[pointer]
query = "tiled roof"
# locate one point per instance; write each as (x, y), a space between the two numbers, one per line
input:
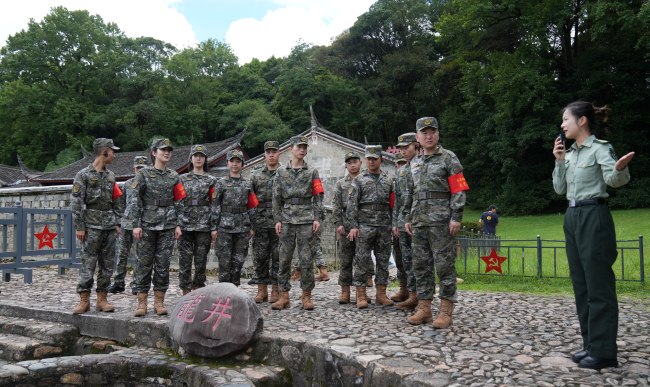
(122, 165)
(10, 176)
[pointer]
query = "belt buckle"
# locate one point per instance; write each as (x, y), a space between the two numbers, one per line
(572, 203)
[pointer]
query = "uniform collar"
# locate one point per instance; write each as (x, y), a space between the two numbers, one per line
(304, 166)
(588, 142)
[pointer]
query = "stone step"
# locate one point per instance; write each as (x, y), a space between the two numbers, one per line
(19, 348)
(27, 339)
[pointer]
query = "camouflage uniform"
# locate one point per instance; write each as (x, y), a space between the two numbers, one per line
(340, 203)
(152, 208)
(96, 210)
(197, 218)
(370, 212)
(297, 207)
(403, 261)
(265, 241)
(125, 240)
(233, 215)
(429, 207)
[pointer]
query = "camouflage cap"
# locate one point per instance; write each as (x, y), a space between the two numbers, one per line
(299, 140)
(373, 151)
(140, 161)
(271, 145)
(352, 155)
(406, 139)
(426, 122)
(235, 154)
(400, 159)
(161, 143)
(104, 143)
(198, 148)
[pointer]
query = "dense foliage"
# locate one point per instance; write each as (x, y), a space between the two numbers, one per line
(495, 72)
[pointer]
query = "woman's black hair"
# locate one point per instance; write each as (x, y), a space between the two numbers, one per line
(597, 117)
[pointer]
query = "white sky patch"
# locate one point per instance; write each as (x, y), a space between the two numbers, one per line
(155, 18)
(316, 22)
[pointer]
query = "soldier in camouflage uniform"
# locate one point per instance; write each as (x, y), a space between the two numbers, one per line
(265, 241)
(409, 148)
(433, 212)
(234, 204)
(297, 212)
(402, 294)
(197, 219)
(125, 240)
(370, 213)
(96, 216)
(340, 203)
(152, 212)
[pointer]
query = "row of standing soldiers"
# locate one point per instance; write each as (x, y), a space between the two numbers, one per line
(281, 207)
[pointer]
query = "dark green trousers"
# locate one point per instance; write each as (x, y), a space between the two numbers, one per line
(591, 252)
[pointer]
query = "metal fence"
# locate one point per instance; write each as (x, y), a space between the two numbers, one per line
(34, 237)
(536, 257)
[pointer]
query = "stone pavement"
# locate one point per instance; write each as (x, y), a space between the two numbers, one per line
(496, 339)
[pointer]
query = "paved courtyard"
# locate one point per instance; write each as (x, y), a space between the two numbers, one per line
(496, 339)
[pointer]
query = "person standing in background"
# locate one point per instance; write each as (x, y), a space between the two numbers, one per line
(125, 239)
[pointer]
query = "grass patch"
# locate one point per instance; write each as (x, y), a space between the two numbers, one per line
(518, 243)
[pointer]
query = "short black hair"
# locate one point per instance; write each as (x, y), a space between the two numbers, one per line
(492, 207)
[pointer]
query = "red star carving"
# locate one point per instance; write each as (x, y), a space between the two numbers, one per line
(45, 238)
(493, 262)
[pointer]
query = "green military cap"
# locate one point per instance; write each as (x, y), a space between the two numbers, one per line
(198, 148)
(104, 143)
(140, 161)
(399, 159)
(406, 139)
(235, 154)
(161, 143)
(352, 155)
(426, 122)
(373, 151)
(271, 145)
(299, 140)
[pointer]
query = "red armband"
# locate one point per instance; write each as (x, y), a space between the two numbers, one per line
(252, 201)
(391, 200)
(316, 187)
(179, 192)
(212, 194)
(117, 192)
(457, 183)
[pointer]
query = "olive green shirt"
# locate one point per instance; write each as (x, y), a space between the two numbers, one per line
(586, 171)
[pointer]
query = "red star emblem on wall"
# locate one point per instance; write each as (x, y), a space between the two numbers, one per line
(493, 262)
(45, 238)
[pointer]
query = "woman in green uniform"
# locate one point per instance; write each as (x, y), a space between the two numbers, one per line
(583, 173)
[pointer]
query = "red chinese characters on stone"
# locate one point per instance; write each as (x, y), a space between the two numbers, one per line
(220, 309)
(187, 312)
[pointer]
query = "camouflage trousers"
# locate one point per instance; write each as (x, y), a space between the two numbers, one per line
(346, 256)
(406, 254)
(98, 251)
(265, 256)
(434, 247)
(122, 250)
(378, 240)
(193, 246)
(296, 236)
(316, 251)
(154, 256)
(232, 249)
